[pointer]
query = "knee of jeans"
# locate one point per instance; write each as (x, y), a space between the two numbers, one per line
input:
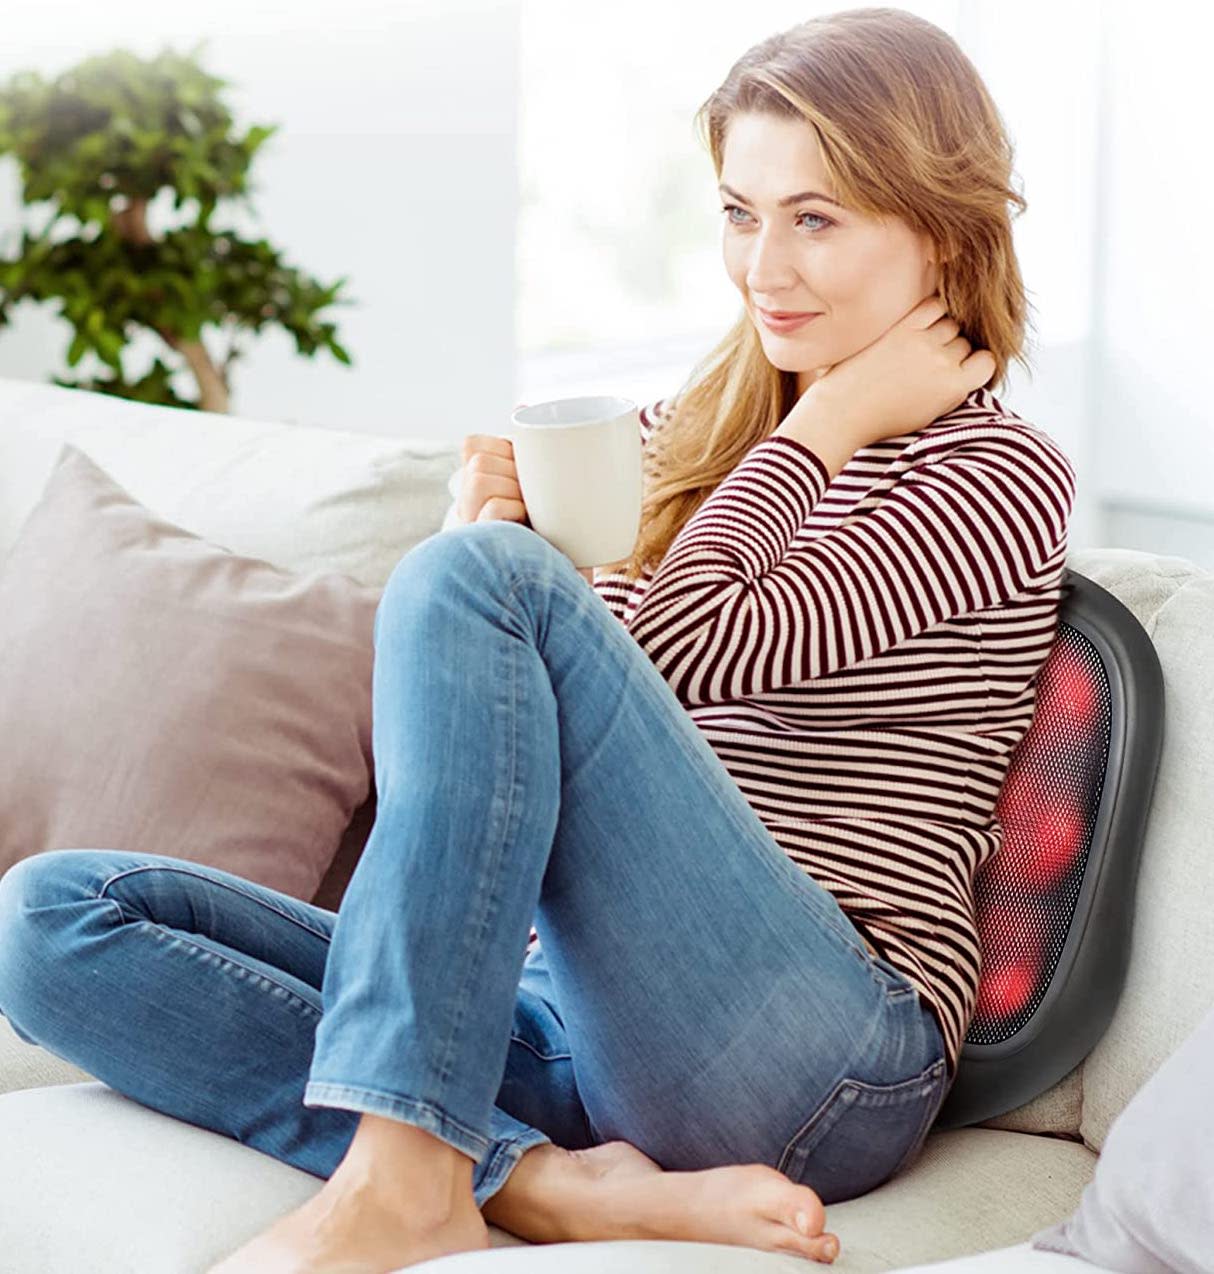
(498, 544)
(21, 881)
(25, 886)
(499, 549)
(39, 881)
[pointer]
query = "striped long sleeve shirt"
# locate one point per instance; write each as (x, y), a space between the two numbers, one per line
(862, 655)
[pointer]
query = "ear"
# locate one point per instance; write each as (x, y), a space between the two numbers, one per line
(936, 254)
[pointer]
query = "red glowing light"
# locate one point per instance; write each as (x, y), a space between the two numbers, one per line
(1006, 988)
(1055, 838)
(1067, 684)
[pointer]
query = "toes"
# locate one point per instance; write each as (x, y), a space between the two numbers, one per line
(825, 1247)
(804, 1211)
(807, 1217)
(822, 1247)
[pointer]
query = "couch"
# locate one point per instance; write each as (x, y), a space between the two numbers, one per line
(93, 1181)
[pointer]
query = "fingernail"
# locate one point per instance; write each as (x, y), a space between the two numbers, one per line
(802, 1223)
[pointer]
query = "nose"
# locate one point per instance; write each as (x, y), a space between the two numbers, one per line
(770, 267)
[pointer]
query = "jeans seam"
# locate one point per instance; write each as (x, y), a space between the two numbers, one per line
(210, 880)
(486, 895)
(876, 1101)
(544, 1057)
(923, 1131)
(161, 934)
(792, 1146)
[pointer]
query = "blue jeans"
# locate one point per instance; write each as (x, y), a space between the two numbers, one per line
(693, 992)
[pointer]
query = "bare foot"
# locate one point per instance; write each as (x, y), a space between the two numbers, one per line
(614, 1191)
(357, 1231)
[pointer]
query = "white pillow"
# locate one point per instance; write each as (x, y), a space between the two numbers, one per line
(1149, 1208)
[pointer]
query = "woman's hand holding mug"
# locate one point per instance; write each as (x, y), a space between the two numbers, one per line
(489, 490)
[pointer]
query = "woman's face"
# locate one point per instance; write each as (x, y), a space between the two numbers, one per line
(858, 273)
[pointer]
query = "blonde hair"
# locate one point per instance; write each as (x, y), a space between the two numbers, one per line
(906, 127)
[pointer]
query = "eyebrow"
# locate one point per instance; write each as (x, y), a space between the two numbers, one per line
(784, 203)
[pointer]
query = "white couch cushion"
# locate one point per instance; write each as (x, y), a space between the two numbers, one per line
(302, 497)
(1018, 1259)
(25, 1065)
(96, 1182)
(703, 1258)
(1057, 1111)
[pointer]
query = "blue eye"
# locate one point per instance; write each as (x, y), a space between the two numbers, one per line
(733, 207)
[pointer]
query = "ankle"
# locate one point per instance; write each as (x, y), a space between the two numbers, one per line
(404, 1162)
(544, 1197)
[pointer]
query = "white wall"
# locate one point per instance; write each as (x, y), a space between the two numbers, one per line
(1046, 91)
(395, 165)
(1152, 417)
(1106, 101)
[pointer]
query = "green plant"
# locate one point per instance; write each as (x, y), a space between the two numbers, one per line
(100, 141)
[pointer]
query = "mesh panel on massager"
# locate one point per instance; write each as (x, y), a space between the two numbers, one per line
(1055, 906)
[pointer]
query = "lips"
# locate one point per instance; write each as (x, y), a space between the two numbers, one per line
(787, 326)
(787, 314)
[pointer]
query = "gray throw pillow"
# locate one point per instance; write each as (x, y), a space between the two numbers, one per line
(162, 694)
(1149, 1208)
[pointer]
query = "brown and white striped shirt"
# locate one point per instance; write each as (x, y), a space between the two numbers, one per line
(862, 655)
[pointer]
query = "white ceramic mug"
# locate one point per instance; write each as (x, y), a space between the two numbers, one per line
(579, 465)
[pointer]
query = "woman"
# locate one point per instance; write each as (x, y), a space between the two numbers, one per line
(741, 785)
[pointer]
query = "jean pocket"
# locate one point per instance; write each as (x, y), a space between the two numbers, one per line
(861, 1134)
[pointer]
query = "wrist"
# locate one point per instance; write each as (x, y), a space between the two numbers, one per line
(825, 428)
